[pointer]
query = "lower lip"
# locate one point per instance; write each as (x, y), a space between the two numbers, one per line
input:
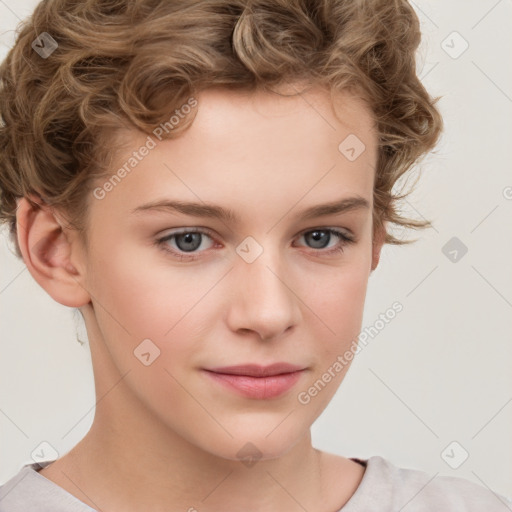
(258, 387)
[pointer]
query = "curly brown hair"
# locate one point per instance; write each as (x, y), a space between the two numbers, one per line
(129, 63)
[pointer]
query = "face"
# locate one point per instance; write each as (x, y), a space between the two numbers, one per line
(178, 291)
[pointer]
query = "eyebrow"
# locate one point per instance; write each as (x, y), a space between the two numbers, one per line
(208, 210)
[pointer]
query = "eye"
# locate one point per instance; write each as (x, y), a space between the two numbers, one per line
(186, 241)
(320, 238)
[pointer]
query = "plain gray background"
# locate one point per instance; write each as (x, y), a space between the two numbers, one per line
(438, 373)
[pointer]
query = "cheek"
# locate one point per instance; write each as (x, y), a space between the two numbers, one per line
(136, 290)
(346, 298)
(336, 305)
(137, 298)
(339, 303)
(136, 302)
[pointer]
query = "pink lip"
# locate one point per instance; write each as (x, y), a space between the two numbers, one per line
(260, 382)
(255, 370)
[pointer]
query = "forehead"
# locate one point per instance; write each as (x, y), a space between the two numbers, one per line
(246, 147)
(256, 121)
(266, 108)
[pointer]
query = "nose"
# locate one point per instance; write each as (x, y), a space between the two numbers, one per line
(263, 300)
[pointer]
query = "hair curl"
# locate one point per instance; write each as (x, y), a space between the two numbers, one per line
(129, 63)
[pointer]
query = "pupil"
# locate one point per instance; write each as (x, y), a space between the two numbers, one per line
(189, 238)
(318, 235)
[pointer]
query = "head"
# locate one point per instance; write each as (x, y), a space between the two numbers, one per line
(268, 110)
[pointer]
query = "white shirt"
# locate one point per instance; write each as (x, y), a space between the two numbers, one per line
(384, 488)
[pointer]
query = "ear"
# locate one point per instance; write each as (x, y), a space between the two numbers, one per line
(50, 257)
(377, 244)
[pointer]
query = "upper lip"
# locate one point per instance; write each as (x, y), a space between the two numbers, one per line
(254, 370)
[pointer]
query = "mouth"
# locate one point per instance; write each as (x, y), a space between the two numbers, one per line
(257, 382)
(255, 370)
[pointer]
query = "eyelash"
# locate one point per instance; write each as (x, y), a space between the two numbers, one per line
(161, 242)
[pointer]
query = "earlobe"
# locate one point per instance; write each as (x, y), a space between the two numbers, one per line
(47, 252)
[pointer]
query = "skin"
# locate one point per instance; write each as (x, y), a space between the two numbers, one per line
(166, 433)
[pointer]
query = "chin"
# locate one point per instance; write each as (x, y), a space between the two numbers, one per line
(251, 447)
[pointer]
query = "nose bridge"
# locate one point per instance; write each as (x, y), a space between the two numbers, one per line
(263, 300)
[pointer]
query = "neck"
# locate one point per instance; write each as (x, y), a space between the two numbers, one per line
(128, 467)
